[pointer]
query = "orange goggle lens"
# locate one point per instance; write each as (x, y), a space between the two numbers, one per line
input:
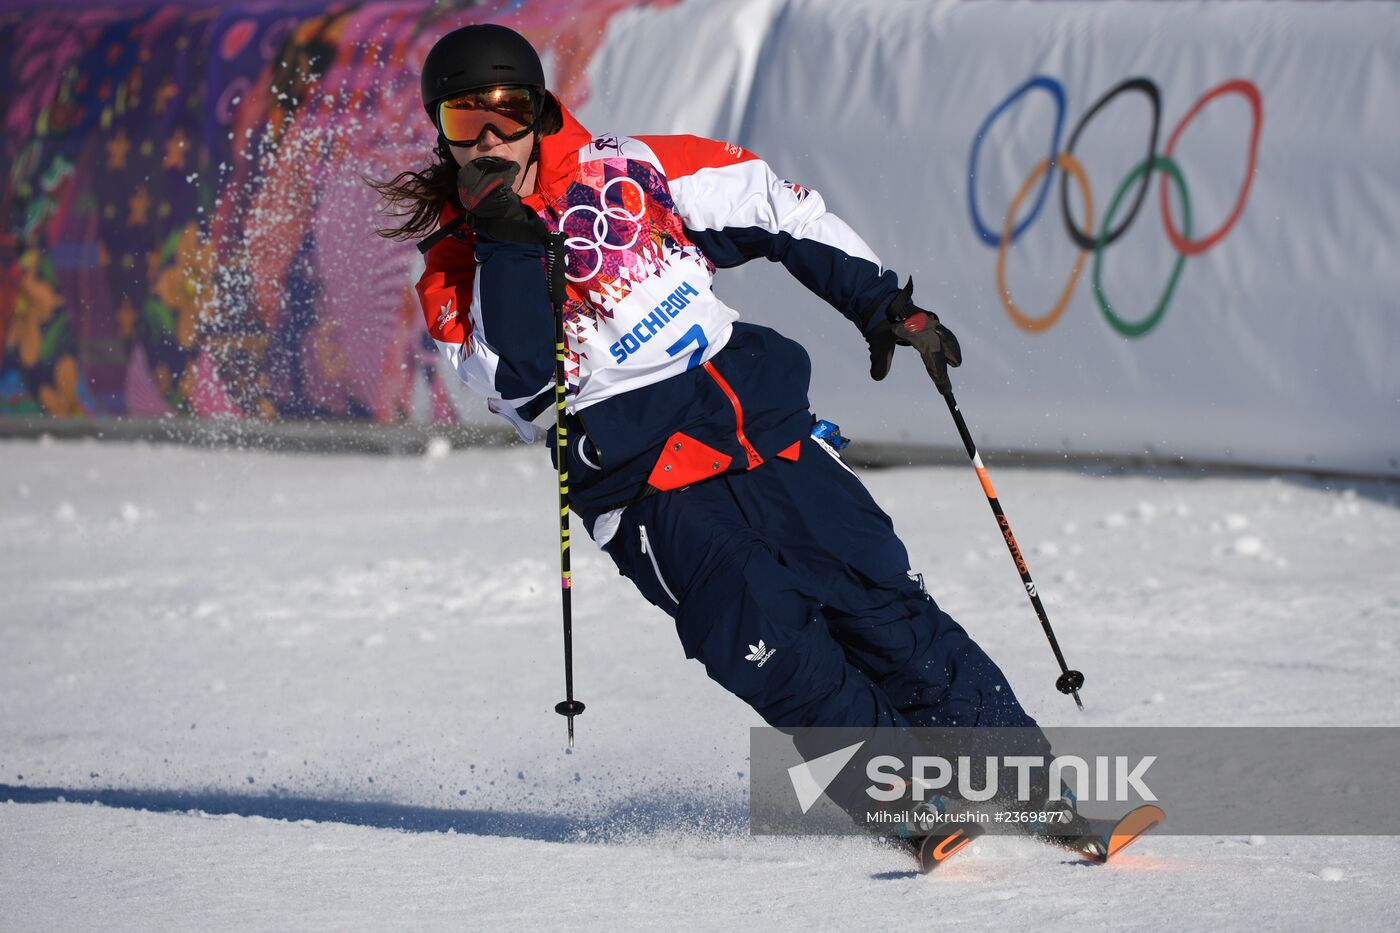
(508, 111)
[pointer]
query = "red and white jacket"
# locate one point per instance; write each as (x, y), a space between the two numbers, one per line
(648, 220)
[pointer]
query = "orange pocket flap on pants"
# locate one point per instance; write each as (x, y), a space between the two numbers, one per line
(684, 461)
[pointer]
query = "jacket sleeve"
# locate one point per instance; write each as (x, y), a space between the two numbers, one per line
(486, 304)
(735, 209)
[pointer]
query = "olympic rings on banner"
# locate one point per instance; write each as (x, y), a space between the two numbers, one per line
(1251, 93)
(1170, 170)
(602, 227)
(1057, 91)
(1141, 175)
(1085, 240)
(1071, 165)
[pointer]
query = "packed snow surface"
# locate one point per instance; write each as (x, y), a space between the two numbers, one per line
(242, 689)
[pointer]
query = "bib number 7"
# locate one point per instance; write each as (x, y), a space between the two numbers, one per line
(695, 335)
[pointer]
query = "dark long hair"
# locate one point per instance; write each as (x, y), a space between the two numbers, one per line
(416, 198)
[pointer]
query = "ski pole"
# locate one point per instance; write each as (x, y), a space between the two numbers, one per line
(1069, 681)
(554, 246)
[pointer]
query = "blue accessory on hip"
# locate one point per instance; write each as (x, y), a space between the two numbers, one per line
(831, 433)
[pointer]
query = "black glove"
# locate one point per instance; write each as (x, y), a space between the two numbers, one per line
(484, 187)
(909, 325)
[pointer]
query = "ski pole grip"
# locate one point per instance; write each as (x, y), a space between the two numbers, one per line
(554, 245)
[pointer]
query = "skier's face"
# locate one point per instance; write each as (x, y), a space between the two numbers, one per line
(489, 144)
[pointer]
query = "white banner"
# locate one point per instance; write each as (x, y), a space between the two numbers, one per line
(1241, 303)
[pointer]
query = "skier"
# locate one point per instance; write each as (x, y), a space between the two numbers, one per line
(693, 460)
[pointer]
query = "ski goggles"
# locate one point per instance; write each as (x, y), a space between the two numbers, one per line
(509, 112)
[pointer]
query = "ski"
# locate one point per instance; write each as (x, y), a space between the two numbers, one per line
(1106, 838)
(933, 850)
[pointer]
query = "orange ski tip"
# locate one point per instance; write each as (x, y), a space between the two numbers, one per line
(1132, 827)
(950, 845)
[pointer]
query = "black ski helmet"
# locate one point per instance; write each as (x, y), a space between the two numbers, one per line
(478, 56)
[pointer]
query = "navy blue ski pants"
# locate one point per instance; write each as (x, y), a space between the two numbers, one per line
(789, 584)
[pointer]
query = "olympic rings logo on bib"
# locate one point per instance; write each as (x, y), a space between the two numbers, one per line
(604, 237)
(1140, 179)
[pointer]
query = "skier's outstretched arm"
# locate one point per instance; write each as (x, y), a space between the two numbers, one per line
(735, 208)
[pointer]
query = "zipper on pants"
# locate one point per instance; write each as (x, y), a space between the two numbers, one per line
(651, 554)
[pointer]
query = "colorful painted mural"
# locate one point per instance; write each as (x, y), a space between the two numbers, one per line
(184, 225)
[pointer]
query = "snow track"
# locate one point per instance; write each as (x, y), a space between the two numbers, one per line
(286, 691)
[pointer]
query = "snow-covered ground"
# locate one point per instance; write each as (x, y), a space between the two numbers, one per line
(242, 689)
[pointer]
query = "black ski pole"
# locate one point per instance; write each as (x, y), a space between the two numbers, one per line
(1069, 681)
(554, 245)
